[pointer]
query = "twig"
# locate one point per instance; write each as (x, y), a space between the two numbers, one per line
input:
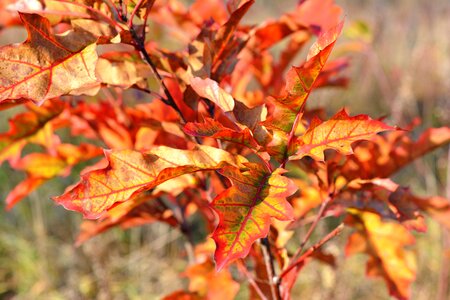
(268, 261)
(243, 268)
(311, 250)
(141, 48)
(313, 226)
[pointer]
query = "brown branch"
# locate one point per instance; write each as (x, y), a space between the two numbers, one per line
(268, 261)
(243, 268)
(313, 226)
(311, 250)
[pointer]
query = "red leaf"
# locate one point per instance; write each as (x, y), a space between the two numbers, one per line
(214, 129)
(131, 171)
(140, 210)
(338, 133)
(384, 155)
(245, 209)
(300, 81)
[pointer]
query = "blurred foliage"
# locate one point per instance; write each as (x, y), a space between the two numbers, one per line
(400, 69)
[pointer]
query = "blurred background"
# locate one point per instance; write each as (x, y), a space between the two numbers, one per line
(400, 68)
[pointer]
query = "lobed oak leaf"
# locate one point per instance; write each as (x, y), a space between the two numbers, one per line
(246, 208)
(46, 65)
(131, 171)
(338, 133)
(210, 89)
(385, 198)
(385, 243)
(383, 155)
(214, 129)
(300, 82)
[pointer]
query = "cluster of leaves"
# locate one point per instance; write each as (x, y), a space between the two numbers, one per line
(209, 130)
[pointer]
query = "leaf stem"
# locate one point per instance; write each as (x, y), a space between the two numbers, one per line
(311, 250)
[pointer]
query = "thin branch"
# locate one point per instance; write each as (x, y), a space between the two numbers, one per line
(135, 10)
(313, 226)
(268, 261)
(311, 250)
(97, 12)
(243, 268)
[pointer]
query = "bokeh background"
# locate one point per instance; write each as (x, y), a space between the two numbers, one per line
(400, 68)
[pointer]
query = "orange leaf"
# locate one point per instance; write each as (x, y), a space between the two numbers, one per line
(29, 127)
(41, 167)
(210, 89)
(211, 284)
(23, 189)
(385, 243)
(138, 211)
(131, 171)
(214, 129)
(300, 82)
(338, 133)
(245, 209)
(384, 155)
(46, 65)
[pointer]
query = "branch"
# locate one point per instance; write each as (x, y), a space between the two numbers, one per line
(268, 260)
(313, 226)
(243, 268)
(311, 250)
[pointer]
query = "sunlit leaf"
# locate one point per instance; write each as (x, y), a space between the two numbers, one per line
(300, 81)
(131, 171)
(210, 284)
(34, 126)
(385, 243)
(46, 65)
(41, 167)
(210, 89)
(214, 129)
(246, 208)
(338, 133)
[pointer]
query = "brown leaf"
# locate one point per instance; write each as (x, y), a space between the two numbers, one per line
(46, 65)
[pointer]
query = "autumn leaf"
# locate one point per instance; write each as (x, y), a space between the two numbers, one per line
(141, 209)
(46, 65)
(210, 89)
(385, 243)
(122, 69)
(131, 171)
(210, 284)
(41, 167)
(34, 126)
(214, 129)
(300, 81)
(338, 133)
(384, 155)
(246, 208)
